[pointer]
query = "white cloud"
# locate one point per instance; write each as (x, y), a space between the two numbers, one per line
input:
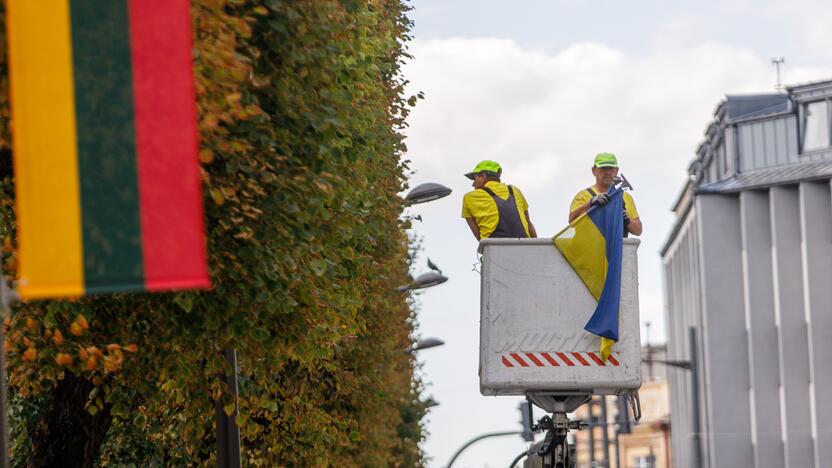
(536, 172)
(810, 20)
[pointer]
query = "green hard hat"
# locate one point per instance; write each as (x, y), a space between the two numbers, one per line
(492, 167)
(605, 160)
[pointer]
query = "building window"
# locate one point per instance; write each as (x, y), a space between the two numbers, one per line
(644, 461)
(816, 127)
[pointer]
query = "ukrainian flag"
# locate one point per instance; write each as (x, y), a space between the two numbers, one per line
(592, 245)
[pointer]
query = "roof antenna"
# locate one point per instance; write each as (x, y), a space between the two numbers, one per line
(777, 62)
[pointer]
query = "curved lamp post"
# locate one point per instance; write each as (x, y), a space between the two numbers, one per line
(426, 192)
(477, 439)
(425, 280)
(425, 343)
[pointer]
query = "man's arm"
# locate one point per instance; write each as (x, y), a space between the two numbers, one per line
(601, 199)
(581, 209)
(635, 227)
(532, 230)
(472, 223)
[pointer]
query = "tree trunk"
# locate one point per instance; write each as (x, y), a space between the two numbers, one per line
(66, 434)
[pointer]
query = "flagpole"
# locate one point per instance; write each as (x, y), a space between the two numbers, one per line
(7, 297)
(228, 434)
(4, 429)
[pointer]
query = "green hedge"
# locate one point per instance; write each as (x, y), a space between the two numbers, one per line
(301, 107)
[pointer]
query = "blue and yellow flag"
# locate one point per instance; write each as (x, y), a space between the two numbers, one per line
(592, 246)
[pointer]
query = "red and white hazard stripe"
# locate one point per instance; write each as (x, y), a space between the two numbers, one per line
(557, 359)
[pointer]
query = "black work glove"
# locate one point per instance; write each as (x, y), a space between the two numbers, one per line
(626, 218)
(599, 200)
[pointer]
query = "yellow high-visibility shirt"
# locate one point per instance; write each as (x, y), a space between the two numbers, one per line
(583, 196)
(479, 205)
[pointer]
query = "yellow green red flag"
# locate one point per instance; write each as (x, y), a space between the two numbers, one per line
(105, 147)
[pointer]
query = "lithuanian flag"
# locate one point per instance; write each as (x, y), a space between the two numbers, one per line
(105, 147)
(592, 245)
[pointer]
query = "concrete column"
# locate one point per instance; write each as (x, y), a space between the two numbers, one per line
(816, 252)
(726, 365)
(792, 335)
(764, 394)
(677, 379)
(681, 283)
(695, 383)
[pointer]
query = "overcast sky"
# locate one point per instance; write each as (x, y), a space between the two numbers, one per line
(541, 87)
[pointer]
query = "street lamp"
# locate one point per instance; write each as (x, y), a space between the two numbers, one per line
(426, 192)
(425, 343)
(425, 280)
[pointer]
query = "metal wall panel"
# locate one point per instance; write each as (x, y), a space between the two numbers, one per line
(683, 292)
(680, 397)
(679, 394)
(674, 390)
(712, 171)
(729, 149)
(767, 143)
(764, 394)
(781, 141)
(726, 369)
(700, 444)
(769, 137)
(816, 230)
(792, 332)
(746, 147)
(791, 135)
(759, 145)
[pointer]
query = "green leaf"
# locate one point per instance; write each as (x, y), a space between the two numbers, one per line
(260, 334)
(140, 420)
(318, 267)
(185, 301)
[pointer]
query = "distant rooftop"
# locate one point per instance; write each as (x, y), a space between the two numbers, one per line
(825, 83)
(768, 177)
(743, 106)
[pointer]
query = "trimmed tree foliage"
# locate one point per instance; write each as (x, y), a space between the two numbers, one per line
(301, 106)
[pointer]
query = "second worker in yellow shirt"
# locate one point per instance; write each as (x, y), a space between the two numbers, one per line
(605, 168)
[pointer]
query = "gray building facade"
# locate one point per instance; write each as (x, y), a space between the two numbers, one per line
(748, 287)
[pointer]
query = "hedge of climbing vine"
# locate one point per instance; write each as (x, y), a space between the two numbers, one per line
(301, 106)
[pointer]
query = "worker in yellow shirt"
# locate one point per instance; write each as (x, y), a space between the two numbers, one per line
(605, 169)
(494, 209)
